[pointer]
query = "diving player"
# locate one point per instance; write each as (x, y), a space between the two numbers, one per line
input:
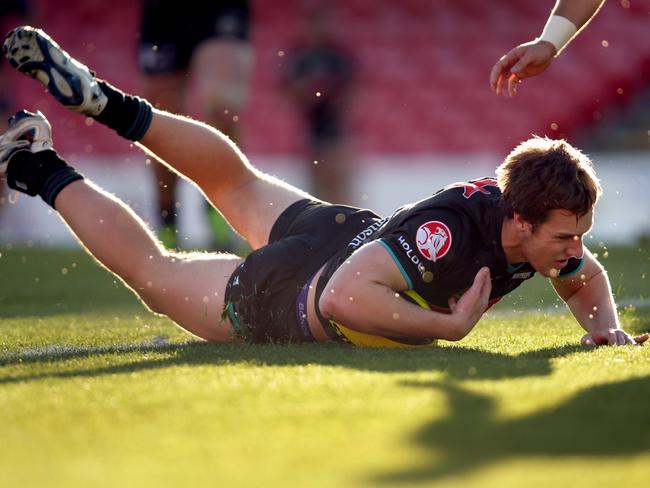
(318, 271)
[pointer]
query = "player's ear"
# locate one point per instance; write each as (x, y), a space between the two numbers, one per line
(521, 224)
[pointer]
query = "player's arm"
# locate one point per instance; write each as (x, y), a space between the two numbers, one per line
(566, 20)
(580, 12)
(362, 295)
(589, 297)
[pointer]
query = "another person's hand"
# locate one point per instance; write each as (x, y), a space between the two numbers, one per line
(613, 337)
(523, 61)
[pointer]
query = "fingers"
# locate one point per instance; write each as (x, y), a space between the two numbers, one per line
(481, 275)
(501, 71)
(526, 60)
(452, 304)
(482, 281)
(620, 338)
(497, 71)
(486, 287)
(601, 339)
(613, 337)
(502, 83)
(520, 65)
(483, 286)
(474, 300)
(507, 83)
(501, 75)
(513, 82)
(587, 340)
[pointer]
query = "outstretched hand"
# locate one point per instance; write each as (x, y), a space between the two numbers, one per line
(523, 61)
(474, 301)
(613, 337)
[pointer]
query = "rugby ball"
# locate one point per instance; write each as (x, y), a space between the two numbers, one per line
(367, 340)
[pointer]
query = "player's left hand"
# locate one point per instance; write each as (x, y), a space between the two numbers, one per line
(468, 310)
(523, 61)
(613, 337)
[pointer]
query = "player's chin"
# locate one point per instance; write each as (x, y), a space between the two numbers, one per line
(555, 268)
(552, 270)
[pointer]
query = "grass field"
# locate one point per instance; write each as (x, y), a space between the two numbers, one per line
(95, 391)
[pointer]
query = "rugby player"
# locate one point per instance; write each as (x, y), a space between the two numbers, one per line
(318, 271)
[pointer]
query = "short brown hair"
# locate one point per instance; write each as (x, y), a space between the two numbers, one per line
(543, 174)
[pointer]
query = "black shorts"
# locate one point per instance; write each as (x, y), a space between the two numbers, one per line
(261, 294)
(169, 31)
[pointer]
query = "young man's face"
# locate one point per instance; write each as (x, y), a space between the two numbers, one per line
(549, 246)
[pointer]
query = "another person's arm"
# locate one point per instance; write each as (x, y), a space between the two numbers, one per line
(589, 297)
(567, 18)
(362, 295)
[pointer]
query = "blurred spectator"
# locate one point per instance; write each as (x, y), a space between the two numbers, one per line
(318, 78)
(196, 60)
(12, 13)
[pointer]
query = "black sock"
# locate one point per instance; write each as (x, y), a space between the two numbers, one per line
(43, 173)
(128, 115)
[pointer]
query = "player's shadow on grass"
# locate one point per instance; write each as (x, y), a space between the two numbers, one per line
(602, 421)
(456, 362)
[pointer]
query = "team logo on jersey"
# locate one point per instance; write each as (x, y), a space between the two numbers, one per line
(476, 186)
(433, 240)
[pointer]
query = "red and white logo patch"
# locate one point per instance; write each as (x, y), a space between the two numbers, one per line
(433, 240)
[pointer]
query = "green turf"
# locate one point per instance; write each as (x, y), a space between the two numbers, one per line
(95, 391)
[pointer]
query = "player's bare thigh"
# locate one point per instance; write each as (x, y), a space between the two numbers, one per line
(190, 288)
(254, 207)
(249, 199)
(221, 71)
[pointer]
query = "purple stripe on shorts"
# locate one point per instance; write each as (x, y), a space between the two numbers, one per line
(301, 311)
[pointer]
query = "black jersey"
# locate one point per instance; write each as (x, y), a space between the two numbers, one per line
(441, 242)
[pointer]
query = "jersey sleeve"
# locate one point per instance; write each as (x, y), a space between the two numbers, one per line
(426, 245)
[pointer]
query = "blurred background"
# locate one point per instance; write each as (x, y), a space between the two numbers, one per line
(413, 110)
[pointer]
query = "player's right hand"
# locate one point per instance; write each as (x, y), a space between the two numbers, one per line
(523, 61)
(613, 337)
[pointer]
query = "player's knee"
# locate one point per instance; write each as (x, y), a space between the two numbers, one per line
(151, 279)
(154, 297)
(152, 304)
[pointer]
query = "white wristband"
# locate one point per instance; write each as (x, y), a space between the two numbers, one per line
(558, 31)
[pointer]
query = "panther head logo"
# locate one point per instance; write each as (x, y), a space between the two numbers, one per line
(433, 240)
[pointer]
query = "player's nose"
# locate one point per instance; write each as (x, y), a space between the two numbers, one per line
(575, 249)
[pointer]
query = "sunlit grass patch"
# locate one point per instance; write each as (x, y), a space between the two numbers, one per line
(94, 390)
